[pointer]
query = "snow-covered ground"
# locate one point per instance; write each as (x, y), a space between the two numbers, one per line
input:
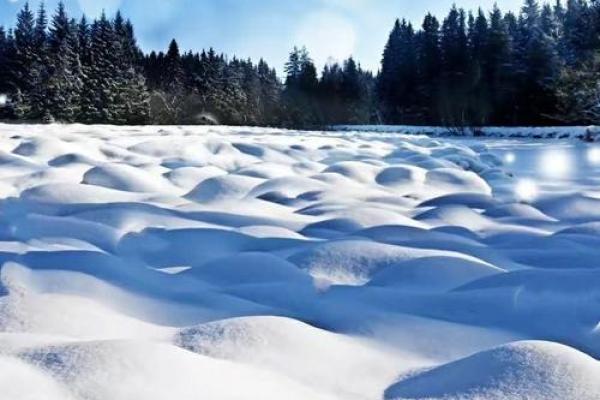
(182, 263)
(552, 132)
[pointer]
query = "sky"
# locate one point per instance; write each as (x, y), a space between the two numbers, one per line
(330, 29)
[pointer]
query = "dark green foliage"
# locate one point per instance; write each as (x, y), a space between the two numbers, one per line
(488, 69)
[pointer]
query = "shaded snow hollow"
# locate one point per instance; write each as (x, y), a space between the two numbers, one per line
(244, 263)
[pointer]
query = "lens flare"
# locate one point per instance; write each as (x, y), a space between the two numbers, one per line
(593, 156)
(510, 158)
(556, 164)
(526, 190)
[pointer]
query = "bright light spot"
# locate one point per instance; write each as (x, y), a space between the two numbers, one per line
(555, 163)
(526, 190)
(327, 35)
(3, 100)
(510, 158)
(593, 155)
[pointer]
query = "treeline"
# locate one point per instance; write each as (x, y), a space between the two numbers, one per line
(344, 94)
(535, 68)
(75, 71)
(94, 72)
(69, 70)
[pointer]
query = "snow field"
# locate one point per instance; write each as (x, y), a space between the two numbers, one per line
(245, 263)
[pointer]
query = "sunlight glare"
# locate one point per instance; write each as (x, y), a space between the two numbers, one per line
(526, 190)
(555, 164)
(593, 156)
(510, 158)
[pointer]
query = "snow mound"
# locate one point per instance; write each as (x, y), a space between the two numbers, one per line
(575, 207)
(455, 180)
(127, 179)
(525, 370)
(433, 274)
(19, 380)
(401, 176)
(354, 262)
(358, 368)
(354, 170)
(248, 268)
(190, 177)
(156, 371)
(471, 200)
(232, 187)
(69, 193)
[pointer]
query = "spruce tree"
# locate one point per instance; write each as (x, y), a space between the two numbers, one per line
(454, 103)
(63, 85)
(430, 67)
(537, 66)
(479, 108)
(397, 82)
(26, 73)
(100, 71)
(499, 68)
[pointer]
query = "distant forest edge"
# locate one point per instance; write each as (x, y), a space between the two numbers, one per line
(538, 67)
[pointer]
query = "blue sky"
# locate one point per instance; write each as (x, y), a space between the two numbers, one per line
(267, 28)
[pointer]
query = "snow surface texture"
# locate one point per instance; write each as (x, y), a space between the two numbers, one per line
(175, 263)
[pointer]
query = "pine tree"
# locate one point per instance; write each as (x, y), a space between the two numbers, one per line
(270, 94)
(478, 37)
(131, 104)
(397, 82)
(167, 102)
(5, 59)
(537, 66)
(430, 67)
(97, 94)
(454, 102)
(63, 85)
(355, 94)
(26, 72)
(499, 68)
(301, 90)
(83, 41)
(578, 93)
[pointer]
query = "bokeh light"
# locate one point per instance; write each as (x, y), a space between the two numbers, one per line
(510, 158)
(3, 100)
(556, 164)
(526, 190)
(593, 155)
